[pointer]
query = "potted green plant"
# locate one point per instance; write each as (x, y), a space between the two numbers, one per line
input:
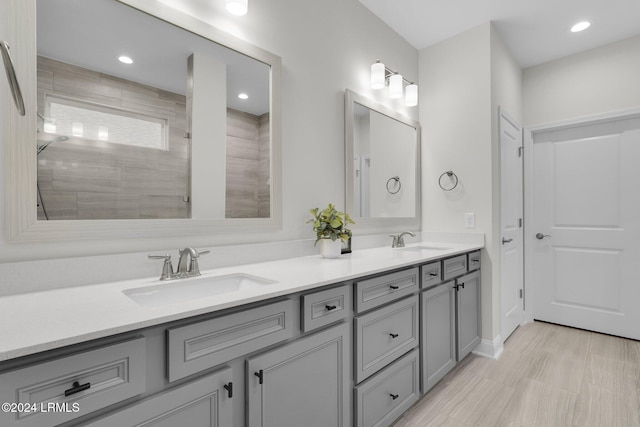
(331, 229)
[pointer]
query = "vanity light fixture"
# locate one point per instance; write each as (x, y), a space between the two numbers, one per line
(580, 26)
(237, 7)
(411, 95)
(243, 96)
(125, 59)
(395, 86)
(381, 75)
(378, 75)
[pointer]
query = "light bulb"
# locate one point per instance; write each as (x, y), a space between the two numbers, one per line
(237, 7)
(580, 26)
(395, 86)
(377, 75)
(411, 95)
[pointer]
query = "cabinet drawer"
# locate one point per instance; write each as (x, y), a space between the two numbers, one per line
(325, 307)
(384, 335)
(92, 380)
(203, 345)
(431, 274)
(474, 260)
(379, 290)
(383, 398)
(454, 267)
(204, 402)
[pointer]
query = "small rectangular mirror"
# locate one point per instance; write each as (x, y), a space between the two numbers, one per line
(383, 164)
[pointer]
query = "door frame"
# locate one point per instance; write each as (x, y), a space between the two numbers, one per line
(529, 132)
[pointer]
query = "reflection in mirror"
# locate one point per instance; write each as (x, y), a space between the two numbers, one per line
(384, 150)
(140, 119)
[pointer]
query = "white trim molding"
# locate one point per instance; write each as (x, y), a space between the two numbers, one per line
(490, 349)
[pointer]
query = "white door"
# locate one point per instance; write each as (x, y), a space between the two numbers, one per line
(586, 215)
(512, 253)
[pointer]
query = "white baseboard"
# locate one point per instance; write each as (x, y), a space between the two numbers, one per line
(490, 349)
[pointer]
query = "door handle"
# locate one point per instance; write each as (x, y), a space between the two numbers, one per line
(541, 236)
(506, 240)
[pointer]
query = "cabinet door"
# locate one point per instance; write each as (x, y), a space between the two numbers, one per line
(468, 313)
(304, 383)
(438, 311)
(201, 403)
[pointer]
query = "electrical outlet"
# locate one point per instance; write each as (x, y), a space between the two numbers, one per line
(470, 220)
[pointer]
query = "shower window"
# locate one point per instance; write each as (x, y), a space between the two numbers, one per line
(81, 119)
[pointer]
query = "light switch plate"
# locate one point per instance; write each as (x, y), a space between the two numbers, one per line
(470, 220)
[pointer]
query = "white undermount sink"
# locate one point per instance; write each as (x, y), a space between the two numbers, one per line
(183, 290)
(424, 248)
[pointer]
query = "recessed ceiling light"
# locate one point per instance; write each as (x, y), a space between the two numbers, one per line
(243, 96)
(125, 59)
(580, 26)
(237, 7)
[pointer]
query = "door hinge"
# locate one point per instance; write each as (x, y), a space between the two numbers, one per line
(186, 135)
(520, 222)
(521, 294)
(520, 151)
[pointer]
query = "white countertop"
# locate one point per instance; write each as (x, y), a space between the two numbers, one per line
(39, 321)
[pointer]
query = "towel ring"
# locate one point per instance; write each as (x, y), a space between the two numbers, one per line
(450, 174)
(399, 184)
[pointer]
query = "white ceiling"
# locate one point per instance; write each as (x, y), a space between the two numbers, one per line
(536, 31)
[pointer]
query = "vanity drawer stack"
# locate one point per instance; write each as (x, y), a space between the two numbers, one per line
(386, 339)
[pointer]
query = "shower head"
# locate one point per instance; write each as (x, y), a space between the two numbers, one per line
(46, 144)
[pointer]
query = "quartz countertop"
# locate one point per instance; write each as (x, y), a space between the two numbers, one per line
(41, 321)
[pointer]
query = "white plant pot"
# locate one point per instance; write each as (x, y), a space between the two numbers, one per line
(330, 248)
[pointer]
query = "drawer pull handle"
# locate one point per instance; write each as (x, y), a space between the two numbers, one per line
(77, 388)
(394, 396)
(330, 307)
(458, 286)
(394, 336)
(260, 375)
(433, 274)
(394, 287)
(229, 388)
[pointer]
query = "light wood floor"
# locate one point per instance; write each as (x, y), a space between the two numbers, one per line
(548, 375)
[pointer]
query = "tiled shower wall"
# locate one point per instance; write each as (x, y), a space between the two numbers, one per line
(86, 179)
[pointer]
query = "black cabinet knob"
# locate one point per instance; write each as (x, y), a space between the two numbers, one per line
(394, 396)
(229, 388)
(394, 336)
(330, 307)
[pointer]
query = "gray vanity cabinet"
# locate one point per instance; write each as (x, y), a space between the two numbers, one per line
(303, 383)
(203, 403)
(468, 313)
(438, 334)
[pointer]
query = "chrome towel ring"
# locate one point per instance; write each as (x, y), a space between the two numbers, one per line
(398, 184)
(453, 178)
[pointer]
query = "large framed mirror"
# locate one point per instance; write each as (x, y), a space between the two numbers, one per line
(382, 166)
(144, 122)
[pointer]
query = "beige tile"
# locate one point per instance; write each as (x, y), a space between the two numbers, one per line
(597, 407)
(537, 404)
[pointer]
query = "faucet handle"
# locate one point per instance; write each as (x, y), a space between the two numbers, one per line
(167, 267)
(202, 252)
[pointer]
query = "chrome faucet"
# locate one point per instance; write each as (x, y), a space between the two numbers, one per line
(187, 265)
(398, 239)
(186, 268)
